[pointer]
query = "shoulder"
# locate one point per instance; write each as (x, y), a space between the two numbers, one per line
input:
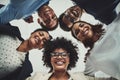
(39, 76)
(78, 76)
(36, 76)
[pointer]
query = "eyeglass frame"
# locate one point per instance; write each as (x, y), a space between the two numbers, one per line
(57, 54)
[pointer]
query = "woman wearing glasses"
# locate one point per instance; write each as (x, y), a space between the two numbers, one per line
(60, 55)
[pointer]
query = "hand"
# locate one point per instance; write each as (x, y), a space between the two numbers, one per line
(28, 19)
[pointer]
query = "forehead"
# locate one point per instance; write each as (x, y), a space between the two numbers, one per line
(59, 50)
(42, 32)
(81, 22)
(74, 8)
(44, 8)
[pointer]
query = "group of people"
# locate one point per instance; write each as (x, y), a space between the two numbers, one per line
(59, 54)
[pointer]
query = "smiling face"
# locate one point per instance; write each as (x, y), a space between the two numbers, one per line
(47, 17)
(38, 38)
(59, 59)
(82, 31)
(71, 15)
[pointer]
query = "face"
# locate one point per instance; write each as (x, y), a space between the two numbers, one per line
(82, 31)
(71, 15)
(59, 59)
(37, 39)
(47, 17)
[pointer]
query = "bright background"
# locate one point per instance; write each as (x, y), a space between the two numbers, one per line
(59, 6)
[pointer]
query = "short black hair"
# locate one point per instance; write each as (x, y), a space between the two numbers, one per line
(60, 43)
(63, 26)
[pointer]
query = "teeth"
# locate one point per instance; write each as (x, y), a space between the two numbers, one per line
(36, 40)
(86, 32)
(60, 63)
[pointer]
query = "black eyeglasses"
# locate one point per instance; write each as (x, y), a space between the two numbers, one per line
(57, 54)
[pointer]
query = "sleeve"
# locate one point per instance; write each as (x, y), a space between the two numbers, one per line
(36, 76)
(89, 69)
(7, 13)
(106, 53)
(94, 78)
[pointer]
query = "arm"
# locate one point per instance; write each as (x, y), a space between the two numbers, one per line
(10, 30)
(7, 13)
(11, 11)
(7, 29)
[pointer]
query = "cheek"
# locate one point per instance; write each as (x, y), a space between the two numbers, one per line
(31, 41)
(41, 45)
(52, 62)
(67, 60)
(90, 34)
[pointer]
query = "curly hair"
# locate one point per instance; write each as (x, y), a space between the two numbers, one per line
(63, 43)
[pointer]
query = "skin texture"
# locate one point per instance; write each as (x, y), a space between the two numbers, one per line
(47, 17)
(82, 31)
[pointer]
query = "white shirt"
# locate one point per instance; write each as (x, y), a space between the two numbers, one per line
(106, 52)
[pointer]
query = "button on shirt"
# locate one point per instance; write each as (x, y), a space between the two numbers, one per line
(18, 9)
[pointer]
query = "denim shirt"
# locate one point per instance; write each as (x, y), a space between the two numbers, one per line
(18, 9)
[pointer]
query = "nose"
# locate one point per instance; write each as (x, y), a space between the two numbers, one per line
(49, 15)
(81, 29)
(59, 56)
(41, 38)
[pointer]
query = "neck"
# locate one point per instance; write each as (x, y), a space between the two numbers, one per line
(24, 46)
(60, 75)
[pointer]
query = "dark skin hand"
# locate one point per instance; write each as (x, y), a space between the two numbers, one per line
(29, 19)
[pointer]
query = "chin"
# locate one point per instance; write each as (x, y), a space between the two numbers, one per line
(60, 70)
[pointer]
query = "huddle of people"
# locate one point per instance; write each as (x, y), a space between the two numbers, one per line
(59, 54)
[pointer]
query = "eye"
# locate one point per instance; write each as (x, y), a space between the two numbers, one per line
(41, 34)
(81, 25)
(54, 17)
(44, 40)
(64, 54)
